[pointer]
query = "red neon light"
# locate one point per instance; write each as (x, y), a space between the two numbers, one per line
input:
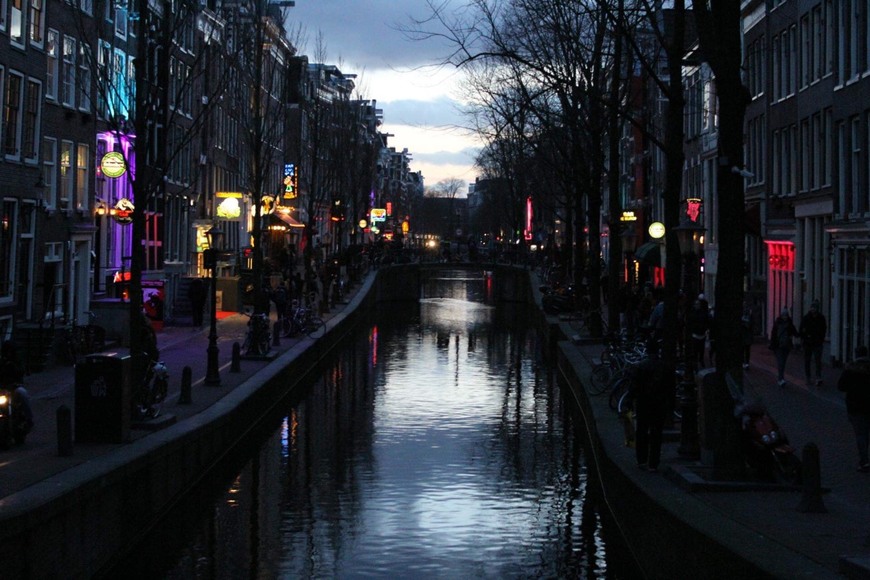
(693, 209)
(780, 255)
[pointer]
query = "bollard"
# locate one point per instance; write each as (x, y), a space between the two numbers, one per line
(64, 431)
(811, 500)
(276, 339)
(236, 365)
(185, 397)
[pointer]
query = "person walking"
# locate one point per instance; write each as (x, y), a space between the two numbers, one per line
(855, 382)
(781, 342)
(746, 334)
(196, 293)
(698, 319)
(653, 390)
(813, 329)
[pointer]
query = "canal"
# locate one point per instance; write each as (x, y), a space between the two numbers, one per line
(435, 443)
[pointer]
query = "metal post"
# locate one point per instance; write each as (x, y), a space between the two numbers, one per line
(689, 441)
(212, 374)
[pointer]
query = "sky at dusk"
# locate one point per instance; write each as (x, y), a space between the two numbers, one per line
(363, 37)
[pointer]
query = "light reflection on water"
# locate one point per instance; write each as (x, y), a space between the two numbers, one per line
(436, 446)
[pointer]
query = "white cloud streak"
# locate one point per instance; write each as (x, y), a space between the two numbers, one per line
(418, 98)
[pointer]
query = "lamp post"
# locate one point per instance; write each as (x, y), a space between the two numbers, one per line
(212, 373)
(629, 245)
(689, 237)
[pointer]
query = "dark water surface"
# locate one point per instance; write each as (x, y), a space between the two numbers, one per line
(434, 444)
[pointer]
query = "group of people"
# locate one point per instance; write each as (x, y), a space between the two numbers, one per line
(812, 331)
(655, 383)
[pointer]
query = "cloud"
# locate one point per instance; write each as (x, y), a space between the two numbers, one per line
(441, 112)
(366, 33)
(418, 98)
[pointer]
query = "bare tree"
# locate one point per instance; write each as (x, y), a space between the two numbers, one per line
(450, 188)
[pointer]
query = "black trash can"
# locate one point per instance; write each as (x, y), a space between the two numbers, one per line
(103, 399)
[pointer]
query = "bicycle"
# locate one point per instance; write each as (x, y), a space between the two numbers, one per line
(82, 340)
(586, 318)
(302, 320)
(149, 397)
(258, 338)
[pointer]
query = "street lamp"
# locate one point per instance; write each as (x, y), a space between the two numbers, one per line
(629, 245)
(689, 235)
(215, 239)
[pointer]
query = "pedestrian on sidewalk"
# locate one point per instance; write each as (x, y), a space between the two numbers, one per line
(813, 329)
(746, 334)
(855, 382)
(781, 342)
(653, 391)
(196, 293)
(698, 320)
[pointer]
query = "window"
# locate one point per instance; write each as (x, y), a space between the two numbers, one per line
(828, 143)
(49, 171)
(66, 174)
(16, 22)
(806, 52)
(841, 169)
(121, 22)
(855, 162)
(8, 236)
(104, 74)
(817, 143)
(36, 22)
(84, 80)
(827, 45)
(3, 9)
(777, 70)
(855, 26)
(12, 116)
(87, 6)
(805, 146)
(30, 137)
(51, 50)
(83, 176)
(69, 71)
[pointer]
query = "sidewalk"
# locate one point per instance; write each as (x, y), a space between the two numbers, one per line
(38, 459)
(836, 540)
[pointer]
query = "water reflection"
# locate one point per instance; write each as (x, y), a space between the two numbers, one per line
(436, 445)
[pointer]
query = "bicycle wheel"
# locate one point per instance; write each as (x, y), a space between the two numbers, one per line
(621, 386)
(600, 378)
(315, 328)
(264, 343)
(626, 402)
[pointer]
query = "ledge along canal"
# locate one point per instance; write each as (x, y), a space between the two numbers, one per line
(434, 443)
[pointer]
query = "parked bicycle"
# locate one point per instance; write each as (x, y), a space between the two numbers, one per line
(82, 340)
(149, 397)
(301, 320)
(258, 338)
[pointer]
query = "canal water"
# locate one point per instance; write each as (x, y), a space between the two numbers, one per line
(434, 444)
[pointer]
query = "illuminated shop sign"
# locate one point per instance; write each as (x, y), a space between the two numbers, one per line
(113, 165)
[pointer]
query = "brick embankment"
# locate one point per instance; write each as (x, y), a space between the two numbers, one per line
(733, 529)
(68, 516)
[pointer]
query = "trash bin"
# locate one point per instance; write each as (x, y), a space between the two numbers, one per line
(103, 398)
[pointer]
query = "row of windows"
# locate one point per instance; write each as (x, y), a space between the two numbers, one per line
(21, 111)
(66, 172)
(853, 165)
(833, 36)
(20, 18)
(800, 155)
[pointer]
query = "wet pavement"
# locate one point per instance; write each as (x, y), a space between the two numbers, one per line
(829, 544)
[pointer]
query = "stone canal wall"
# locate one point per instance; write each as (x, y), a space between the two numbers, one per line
(76, 523)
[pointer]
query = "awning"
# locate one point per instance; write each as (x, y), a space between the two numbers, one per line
(287, 219)
(649, 254)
